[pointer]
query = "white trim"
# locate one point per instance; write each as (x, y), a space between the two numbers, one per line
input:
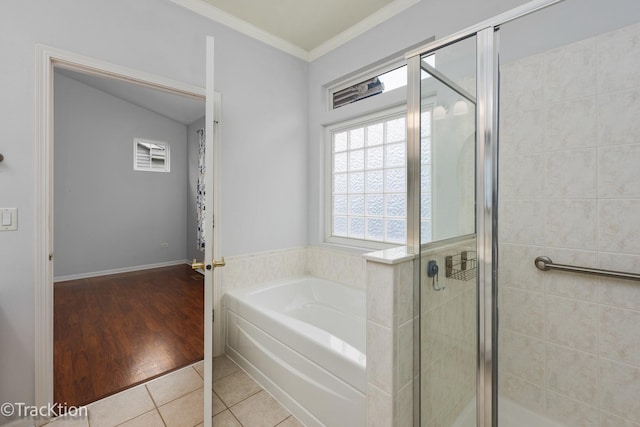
(209, 11)
(376, 18)
(211, 236)
(57, 279)
(46, 58)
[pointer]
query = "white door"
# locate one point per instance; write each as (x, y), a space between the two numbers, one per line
(212, 169)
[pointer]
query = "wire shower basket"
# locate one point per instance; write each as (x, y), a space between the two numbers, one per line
(462, 266)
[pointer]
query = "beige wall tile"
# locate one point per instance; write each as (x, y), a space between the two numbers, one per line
(571, 174)
(572, 285)
(572, 373)
(620, 389)
(523, 312)
(610, 420)
(405, 355)
(572, 323)
(517, 269)
(380, 293)
(618, 171)
(619, 59)
(572, 124)
(621, 293)
(379, 408)
(570, 412)
(571, 224)
(618, 119)
(615, 230)
(523, 393)
(521, 131)
(570, 71)
(620, 335)
(380, 368)
(522, 177)
(404, 289)
(522, 356)
(523, 221)
(523, 82)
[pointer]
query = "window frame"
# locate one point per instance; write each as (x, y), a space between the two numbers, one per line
(428, 103)
(167, 163)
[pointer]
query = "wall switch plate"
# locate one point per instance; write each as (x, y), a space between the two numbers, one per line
(8, 219)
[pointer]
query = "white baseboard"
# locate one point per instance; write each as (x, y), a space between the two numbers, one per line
(120, 270)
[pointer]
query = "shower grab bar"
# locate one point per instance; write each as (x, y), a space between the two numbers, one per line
(544, 263)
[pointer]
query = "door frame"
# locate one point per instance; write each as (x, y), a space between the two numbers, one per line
(47, 58)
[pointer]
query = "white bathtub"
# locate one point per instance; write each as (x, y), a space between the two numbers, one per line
(304, 341)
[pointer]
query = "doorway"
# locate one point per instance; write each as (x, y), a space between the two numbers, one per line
(47, 59)
(126, 307)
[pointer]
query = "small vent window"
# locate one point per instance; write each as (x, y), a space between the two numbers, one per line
(152, 156)
(383, 82)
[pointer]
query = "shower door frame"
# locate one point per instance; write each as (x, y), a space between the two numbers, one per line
(487, 83)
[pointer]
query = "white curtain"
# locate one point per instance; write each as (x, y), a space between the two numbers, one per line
(201, 192)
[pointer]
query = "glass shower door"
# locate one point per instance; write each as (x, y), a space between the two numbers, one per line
(448, 282)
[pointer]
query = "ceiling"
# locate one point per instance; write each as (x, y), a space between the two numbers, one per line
(180, 108)
(305, 28)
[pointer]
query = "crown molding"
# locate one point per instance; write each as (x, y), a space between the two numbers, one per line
(361, 27)
(209, 11)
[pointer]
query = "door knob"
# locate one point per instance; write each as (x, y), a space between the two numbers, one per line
(220, 263)
(197, 265)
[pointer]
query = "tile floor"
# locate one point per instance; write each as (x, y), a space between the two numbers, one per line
(175, 400)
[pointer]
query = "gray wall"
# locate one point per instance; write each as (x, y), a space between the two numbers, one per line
(264, 92)
(193, 150)
(108, 216)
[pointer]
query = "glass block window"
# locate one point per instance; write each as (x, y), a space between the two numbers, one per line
(368, 186)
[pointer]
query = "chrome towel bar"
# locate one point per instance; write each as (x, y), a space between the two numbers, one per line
(544, 263)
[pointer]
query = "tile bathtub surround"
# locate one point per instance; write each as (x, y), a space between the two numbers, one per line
(176, 400)
(569, 343)
(390, 373)
(243, 271)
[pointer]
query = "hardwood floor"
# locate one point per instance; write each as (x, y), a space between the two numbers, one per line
(116, 331)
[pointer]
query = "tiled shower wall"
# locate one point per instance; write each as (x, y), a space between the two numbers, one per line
(448, 356)
(570, 190)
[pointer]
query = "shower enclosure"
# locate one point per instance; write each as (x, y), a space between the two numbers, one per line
(524, 141)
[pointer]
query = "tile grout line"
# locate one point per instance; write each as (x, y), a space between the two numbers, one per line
(155, 405)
